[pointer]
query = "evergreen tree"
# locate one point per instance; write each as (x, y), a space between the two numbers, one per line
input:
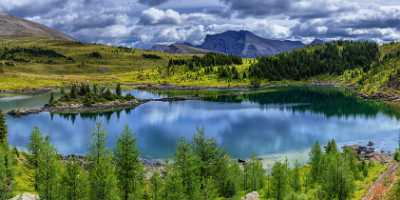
(48, 172)
(102, 179)
(35, 145)
(128, 167)
(51, 100)
(316, 162)
(214, 163)
(255, 174)
(74, 181)
(3, 129)
(209, 191)
(279, 181)
(173, 188)
(187, 166)
(296, 178)
(156, 185)
(331, 147)
(118, 90)
(338, 178)
(6, 173)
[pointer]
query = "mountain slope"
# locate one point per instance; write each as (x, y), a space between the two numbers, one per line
(11, 26)
(247, 44)
(179, 48)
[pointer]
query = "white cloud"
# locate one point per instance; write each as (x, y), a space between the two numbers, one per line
(154, 16)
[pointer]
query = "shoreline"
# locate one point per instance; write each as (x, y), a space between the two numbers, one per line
(115, 106)
(96, 108)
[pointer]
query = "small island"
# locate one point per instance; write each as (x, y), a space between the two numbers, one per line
(83, 97)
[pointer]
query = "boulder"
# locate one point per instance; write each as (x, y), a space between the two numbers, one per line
(251, 196)
(26, 196)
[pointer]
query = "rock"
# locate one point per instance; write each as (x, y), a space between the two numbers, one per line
(251, 196)
(26, 196)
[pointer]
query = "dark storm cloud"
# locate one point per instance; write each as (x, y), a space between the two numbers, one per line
(259, 7)
(146, 22)
(152, 2)
(37, 8)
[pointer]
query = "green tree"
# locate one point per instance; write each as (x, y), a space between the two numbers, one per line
(331, 147)
(316, 162)
(3, 129)
(48, 172)
(173, 188)
(6, 173)
(156, 185)
(296, 178)
(102, 178)
(128, 167)
(118, 90)
(74, 181)
(187, 166)
(279, 180)
(255, 174)
(35, 144)
(338, 178)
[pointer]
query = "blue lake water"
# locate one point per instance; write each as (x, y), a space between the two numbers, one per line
(267, 124)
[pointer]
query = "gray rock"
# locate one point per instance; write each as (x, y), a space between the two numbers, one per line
(251, 196)
(26, 196)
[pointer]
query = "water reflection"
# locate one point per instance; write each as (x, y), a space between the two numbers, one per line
(260, 126)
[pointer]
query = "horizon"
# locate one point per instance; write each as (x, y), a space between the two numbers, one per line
(144, 23)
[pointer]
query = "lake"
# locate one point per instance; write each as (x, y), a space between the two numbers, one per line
(281, 122)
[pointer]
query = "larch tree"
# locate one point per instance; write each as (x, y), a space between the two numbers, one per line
(3, 129)
(6, 172)
(129, 169)
(48, 172)
(187, 166)
(156, 185)
(316, 162)
(102, 178)
(279, 179)
(74, 181)
(34, 147)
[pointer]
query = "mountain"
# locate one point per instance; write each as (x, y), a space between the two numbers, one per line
(179, 48)
(317, 42)
(11, 26)
(247, 44)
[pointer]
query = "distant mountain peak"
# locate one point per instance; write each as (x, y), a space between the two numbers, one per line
(247, 44)
(317, 42)
(11, 26)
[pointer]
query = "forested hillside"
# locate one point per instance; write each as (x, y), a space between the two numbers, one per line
(330, 58)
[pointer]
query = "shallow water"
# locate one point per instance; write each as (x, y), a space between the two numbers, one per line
(284, 122)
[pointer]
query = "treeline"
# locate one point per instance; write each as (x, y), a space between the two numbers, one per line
(208, 60)
(87, 94)
(200, 170)
(329, 58)
(23, 54)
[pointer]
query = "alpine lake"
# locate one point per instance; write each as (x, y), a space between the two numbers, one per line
(275, 123)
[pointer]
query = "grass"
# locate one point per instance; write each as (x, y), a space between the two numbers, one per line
(24, 176)
(115, 64)
(362, 186)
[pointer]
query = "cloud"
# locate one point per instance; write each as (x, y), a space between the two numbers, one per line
(152, 2)
(145, 22)
(154, 16)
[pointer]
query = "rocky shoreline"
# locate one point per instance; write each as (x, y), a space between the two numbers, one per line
(95, 108)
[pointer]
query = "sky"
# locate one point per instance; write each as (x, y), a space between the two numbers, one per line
(142, 23)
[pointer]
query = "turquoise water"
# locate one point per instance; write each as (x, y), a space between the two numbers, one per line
(284, 121)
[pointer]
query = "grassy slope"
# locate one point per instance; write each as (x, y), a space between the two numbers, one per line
(377, 78)
(116, 65)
